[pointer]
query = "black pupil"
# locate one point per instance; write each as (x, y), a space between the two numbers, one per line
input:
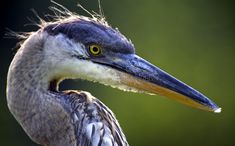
(95, 49)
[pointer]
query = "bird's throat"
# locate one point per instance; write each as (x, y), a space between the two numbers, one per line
(54, 85)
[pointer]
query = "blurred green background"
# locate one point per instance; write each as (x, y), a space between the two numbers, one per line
(194, 40)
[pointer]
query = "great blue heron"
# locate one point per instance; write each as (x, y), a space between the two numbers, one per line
(86, 48)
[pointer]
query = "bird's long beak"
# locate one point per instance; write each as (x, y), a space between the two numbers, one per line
(142, 75)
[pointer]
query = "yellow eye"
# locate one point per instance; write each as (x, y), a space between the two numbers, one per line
(95, 50)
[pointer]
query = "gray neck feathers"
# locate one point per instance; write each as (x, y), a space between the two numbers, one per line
(26, 71)
(28, 97)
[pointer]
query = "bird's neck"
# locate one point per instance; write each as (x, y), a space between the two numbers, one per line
(26, 75)
(28, 72)
(29, 91)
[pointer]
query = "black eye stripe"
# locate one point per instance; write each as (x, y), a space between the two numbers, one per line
(92, 32)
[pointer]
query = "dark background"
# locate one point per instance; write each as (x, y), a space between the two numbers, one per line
(194, 40)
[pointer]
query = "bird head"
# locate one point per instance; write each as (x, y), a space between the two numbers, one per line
(89, 49)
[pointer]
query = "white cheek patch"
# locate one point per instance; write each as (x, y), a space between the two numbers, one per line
(61, 47)
(88, 70)
(60, 51)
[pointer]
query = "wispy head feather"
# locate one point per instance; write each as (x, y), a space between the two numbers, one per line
(63, 15)
(60, 15)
